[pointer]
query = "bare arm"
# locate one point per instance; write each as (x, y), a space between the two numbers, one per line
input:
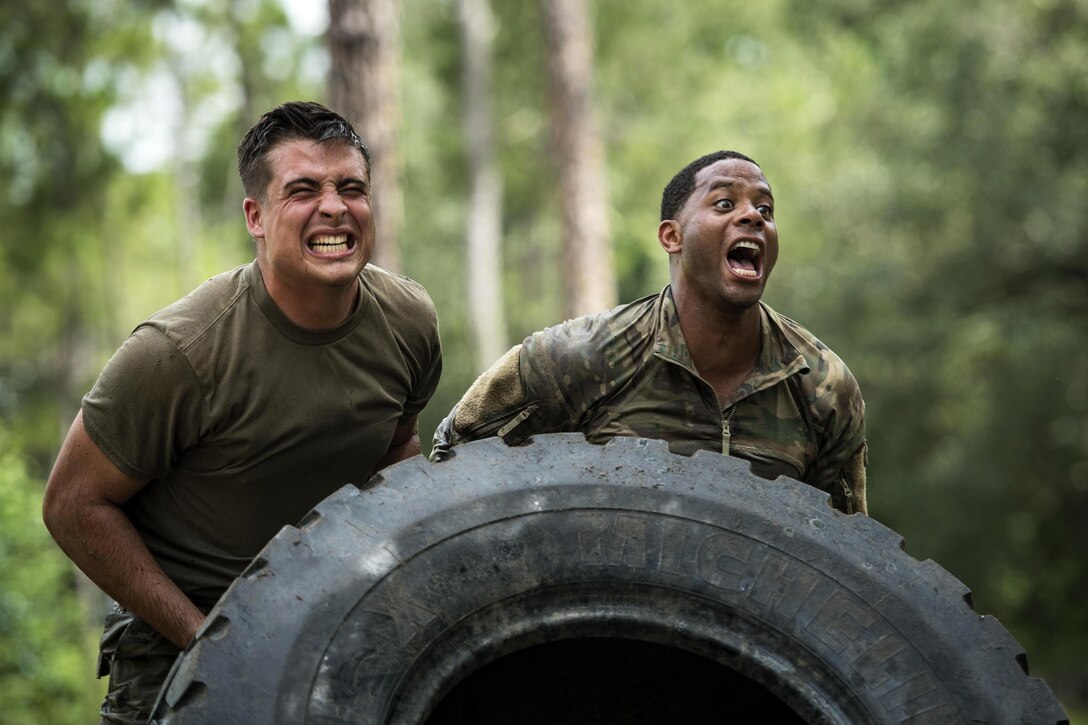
(405, 444)
(82, 511)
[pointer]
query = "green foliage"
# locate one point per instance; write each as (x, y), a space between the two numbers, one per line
(59, 69)
(960, 278)
(47, 649)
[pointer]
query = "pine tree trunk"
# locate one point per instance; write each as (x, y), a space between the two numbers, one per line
(484, 228)
(364, 47)
(588, 273)
(188, 220)
(247, 48)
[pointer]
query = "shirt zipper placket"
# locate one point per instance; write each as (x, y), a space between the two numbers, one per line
(727, 417)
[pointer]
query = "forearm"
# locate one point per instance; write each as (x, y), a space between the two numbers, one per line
(854, 478)
(400, 452)
(841, 472)
(487, 408)
(103, 543)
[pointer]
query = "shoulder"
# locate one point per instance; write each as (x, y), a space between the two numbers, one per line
(194, 314)
(593, 336)
(827, 383)
(398, 296)
(604, 347)
(393, 287)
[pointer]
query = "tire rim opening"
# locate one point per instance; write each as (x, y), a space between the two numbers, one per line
(607, 680)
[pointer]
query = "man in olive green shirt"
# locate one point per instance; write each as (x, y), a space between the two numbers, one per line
(234, 411)
(704, 365)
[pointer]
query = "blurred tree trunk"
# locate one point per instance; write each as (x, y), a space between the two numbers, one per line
(588, 273)
(484, 227)
(187, 209)
(247, 48)
(364, 46)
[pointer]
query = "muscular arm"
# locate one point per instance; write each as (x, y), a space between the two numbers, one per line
(82, 510)
(405, 444)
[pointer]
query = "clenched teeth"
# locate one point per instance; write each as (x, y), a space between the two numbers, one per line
(330, 243)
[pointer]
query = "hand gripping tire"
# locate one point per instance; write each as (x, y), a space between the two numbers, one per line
(567, 582)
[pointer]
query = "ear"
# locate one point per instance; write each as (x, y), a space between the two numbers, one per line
(254, 217)
(670, 236)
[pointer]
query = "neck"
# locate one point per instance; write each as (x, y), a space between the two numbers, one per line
(314, 308)
(724, 344)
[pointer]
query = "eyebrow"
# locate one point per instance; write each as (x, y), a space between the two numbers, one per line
(725, 184)
(300, 181)
(307, 181)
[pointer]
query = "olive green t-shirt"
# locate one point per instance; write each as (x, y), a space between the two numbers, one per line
(242, 421)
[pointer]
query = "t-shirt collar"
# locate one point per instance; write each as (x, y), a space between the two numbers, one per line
(292, 331)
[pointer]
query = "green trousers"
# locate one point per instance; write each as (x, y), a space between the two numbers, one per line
(137, 659)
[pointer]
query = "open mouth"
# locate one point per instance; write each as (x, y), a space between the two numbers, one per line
(331, 244)
(745, 259)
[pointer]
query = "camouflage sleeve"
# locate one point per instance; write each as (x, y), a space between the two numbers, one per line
(568, 369)
(497, 404)
(527, 391)
(853, 479)
(840, 466)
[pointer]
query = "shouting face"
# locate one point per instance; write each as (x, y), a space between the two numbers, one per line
(723, 243)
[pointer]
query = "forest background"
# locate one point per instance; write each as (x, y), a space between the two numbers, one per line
(931, 176)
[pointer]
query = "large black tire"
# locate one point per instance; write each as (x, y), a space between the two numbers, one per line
(570, 572)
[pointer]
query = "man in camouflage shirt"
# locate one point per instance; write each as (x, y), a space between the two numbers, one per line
(704, 365)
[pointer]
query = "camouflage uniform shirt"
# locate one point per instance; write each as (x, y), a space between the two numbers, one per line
(628, 372)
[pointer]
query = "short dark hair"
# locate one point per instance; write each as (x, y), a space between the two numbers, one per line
(680, 187)
(293, 120)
